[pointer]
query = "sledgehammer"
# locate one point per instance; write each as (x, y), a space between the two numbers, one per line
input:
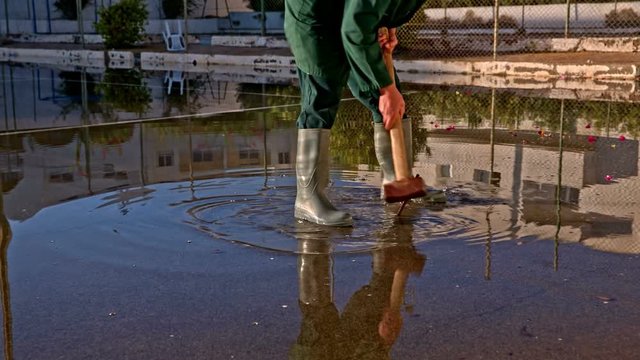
(405, 187)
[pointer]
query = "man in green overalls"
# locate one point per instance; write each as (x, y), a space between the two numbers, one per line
(335, 42)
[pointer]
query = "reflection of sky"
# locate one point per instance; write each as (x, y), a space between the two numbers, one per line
(35, 97)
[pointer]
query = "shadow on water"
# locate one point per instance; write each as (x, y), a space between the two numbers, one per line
(121, 185)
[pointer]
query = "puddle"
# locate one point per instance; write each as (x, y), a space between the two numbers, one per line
(163, 228)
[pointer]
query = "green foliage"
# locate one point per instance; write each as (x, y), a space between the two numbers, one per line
(71, 87)
(269, 5)
(174, 9)
(126, 90)
(111, 135)
(57, 138)
(274, 96)
(68, 8)
(122, 24)
(621, 19)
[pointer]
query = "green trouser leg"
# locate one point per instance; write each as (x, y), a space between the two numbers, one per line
(312, 178)
(382, 146)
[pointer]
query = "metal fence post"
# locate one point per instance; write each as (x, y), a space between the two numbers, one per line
(522, 16)
(80, 20)
(186, 26)
(33, 17)
(496, 26)
(48, 16)
(566, 20)
(6, 16)
(263, 25)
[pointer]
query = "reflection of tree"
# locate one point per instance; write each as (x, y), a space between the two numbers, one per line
(470, 106)
(55, 138)
(111, 135)
(125, 89)
(623, 117)
(71, 87)
(253, 96)
(352, 135)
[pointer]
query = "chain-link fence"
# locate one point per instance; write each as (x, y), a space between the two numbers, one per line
(203, 17)
(442, 28)
(486, 27)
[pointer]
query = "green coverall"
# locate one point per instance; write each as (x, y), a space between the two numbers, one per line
(335, 41)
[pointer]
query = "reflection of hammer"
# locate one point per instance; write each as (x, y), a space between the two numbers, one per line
(404, 187)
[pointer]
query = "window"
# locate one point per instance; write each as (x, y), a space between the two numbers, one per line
(165, 159)
(205, 155)
(61, 178)
(249, 157)
(283, 158)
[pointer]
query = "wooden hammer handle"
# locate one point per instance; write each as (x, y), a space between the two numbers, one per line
(398, 149)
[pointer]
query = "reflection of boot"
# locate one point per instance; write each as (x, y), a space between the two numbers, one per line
(312, 173)
(314, 272)
(382, 145)
(320, 317)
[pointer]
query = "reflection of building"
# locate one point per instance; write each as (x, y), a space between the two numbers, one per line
(180, 156)
(60, 171)
(59, 167)
(594, 210)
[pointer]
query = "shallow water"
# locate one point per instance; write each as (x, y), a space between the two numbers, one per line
(171, 236)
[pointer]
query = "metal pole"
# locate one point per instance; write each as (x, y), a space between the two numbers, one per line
(80, 21)
(446, 22)
(33, 17)
(6, 16)
(48, 16)
(522, 17)
(186, 27)
(263, 18)
(496, 25)
(566, 20)
(556, 241)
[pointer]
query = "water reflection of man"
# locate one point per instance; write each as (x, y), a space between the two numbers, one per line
(371, 321)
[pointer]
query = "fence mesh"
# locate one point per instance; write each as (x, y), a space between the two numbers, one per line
(442, 28)
(483, 27)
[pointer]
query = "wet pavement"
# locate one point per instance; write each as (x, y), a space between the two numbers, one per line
(162, 227)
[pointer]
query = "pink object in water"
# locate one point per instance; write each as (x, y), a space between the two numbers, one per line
(608, 178)
(592, 139)
(622, 138)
